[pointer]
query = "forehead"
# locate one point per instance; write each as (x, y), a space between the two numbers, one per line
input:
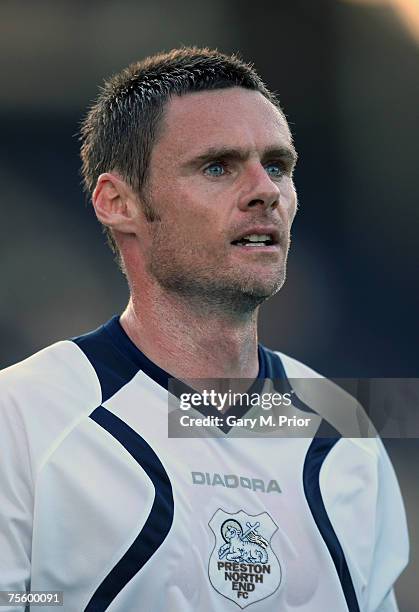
(220, 118)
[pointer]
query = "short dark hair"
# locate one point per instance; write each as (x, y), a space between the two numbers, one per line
(120, 128)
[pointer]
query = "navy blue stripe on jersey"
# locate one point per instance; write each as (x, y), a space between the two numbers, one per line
(112, 367)
(276, 372)
(158, 523)
(319, 448)
(126, 347)
(274, 368)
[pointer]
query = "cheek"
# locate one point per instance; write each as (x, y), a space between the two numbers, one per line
(289, 199)
(187, 225)
(192, 209)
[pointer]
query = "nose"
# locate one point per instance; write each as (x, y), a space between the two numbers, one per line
(259, 189)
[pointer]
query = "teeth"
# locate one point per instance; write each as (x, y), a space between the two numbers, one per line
(257, 237)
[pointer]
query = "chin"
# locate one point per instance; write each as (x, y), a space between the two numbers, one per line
(263, 289)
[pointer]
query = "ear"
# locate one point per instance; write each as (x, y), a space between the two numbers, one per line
(115, 203)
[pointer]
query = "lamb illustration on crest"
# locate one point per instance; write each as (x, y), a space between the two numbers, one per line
(246, 547)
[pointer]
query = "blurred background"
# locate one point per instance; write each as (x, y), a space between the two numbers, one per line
(347, 74)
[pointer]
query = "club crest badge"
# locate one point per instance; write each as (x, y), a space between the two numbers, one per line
(243, 566)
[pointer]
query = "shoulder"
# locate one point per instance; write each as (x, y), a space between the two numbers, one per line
(58, 371)
(342, 410)
(46, 394)
(327, 398)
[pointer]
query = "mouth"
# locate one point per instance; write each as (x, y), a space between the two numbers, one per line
(266, 239)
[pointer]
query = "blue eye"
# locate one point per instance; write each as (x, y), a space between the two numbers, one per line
(215, 169)
(274, 170)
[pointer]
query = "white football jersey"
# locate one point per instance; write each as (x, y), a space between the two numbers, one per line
(98, 502)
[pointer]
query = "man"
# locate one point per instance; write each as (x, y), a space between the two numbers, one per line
(189, 160)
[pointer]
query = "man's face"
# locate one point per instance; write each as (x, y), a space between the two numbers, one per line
(220, 179)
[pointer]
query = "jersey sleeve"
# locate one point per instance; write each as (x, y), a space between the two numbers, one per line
(16, 499)
(391, 549)
(364, 505)
(41, 398)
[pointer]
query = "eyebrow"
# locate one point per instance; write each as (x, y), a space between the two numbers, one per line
(287, 153)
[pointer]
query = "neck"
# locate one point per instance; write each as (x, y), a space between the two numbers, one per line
(188, 342)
